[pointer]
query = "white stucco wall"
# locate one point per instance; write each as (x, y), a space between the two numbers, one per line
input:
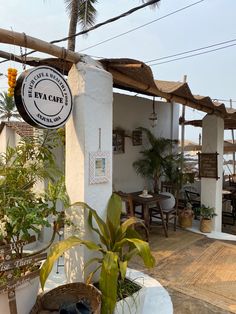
(211, 188)
(91, 88)
(130, 112)
(8, 137)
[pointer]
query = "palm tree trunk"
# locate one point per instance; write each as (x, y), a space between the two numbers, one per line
(73, 24)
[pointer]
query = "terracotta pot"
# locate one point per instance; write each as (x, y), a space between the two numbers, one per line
(206, 225)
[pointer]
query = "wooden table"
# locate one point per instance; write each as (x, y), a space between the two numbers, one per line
(145, 202)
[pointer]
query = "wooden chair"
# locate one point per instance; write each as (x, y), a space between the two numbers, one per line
(167, 186)
(129, 212)
(168, 207)
(157, 213)
(232, 180)
(194, 199)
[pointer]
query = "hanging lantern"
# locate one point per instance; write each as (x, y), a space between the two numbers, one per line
(153, 115)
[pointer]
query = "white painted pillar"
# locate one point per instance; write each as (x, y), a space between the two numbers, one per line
(91, 87)
(212, 142)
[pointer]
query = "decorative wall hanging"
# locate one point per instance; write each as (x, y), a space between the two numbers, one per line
(208, 165)
(153, 115)
(118, 141)
(99, 167)
(137, 137)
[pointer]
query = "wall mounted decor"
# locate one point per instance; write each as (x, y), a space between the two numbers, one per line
(208, 165)
(99, 167)
(118, 141)
(137, 137)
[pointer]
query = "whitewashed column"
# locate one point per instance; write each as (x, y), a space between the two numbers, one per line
(212, 142)
(91, 88)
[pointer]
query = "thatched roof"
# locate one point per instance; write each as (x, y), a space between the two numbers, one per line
(21, 128)
(230, 124)
(136, 76)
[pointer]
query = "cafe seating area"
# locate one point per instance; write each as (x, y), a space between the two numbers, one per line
(153, 209)
(162, 209)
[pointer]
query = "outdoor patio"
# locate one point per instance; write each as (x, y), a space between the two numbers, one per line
(198, 272)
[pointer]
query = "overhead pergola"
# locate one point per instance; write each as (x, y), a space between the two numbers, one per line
(228, 148)
(128, 74)
(229, 124)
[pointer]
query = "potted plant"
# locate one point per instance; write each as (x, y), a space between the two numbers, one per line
(206, 214)
(118, 243)
(23, 213)
(152, 163)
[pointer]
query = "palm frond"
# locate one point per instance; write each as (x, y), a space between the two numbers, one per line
(87, 13)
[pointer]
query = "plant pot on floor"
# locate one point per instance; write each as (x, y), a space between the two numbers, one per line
(185, 216)
(69, 295)
(206, 213)
(206, 225)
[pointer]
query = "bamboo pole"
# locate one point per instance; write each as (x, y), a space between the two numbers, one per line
(233, 141)
(182, 122)
(21, 39)
(183, 131)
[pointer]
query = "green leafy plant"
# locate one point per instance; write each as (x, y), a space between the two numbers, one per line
(207, 212)
(22, 208)
(154, 158)
(118, 243)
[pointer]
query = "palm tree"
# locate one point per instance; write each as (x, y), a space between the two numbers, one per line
(8, 107)
(152, 165)
(82, 12)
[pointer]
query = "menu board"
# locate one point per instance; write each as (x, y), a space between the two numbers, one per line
(208, 165)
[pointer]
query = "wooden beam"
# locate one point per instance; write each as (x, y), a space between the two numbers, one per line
(61, 65)
(21, 39)
(130, 65)
(124, 79)
(15, 58)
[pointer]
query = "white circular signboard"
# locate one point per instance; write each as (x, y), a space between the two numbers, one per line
(43, 97)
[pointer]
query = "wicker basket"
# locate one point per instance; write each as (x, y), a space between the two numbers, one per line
(185, 221)
(185, 218)
(51, 301)
(206, 225)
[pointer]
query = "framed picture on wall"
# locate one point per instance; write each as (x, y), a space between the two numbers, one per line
(118, 141)
(137, 137)
(99, 167)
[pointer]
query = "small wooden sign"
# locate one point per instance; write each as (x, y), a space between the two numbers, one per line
(16, 282)
(15, 245)
(208, 165)
(8, 264)
(26, 261)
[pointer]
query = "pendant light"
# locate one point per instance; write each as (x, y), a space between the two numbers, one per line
(153, 115)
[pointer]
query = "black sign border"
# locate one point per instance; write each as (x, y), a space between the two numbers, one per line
(23, 109)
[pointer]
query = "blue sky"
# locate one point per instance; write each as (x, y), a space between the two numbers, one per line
(206, 23)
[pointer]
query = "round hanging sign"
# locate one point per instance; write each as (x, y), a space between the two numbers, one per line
(43, 97)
